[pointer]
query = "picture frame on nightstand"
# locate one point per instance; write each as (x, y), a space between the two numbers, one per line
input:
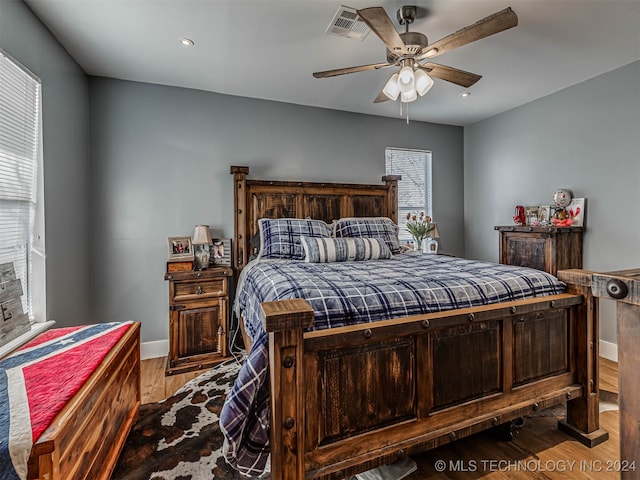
(180, 249)
(220, 252)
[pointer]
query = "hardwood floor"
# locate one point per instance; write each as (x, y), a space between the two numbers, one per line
(155, 385)
(608, 375)
(538, 450)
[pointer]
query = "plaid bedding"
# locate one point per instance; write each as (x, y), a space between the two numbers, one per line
(349, 293)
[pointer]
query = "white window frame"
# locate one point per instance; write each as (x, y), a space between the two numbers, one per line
(34, 277)
(421, 202)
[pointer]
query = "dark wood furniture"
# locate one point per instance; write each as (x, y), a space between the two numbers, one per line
(198, 318)
(546, 248)
(623, 287)
(347, 399)
(85, 439)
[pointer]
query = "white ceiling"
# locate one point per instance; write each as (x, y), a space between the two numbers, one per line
(269, 49)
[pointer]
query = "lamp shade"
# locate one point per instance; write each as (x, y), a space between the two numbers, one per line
(434, 233)
(202, 235)
(406, 79)
(409, 96)
(423, 82)
(391, 88)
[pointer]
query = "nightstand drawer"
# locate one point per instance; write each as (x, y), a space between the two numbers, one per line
(215, 287)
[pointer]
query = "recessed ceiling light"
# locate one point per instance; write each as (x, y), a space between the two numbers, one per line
(187, 42)
(465, 94)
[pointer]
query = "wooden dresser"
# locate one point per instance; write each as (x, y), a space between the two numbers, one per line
(198, 318)
(545, 248)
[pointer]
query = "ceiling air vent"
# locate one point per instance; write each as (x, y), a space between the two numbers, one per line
(347, 23)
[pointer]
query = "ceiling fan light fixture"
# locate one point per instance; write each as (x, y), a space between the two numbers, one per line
(406, 79)
(423, 82)
(409, 96)
(391, 89)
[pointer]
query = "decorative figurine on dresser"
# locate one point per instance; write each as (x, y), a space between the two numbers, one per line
(198, 304)
(552, 246)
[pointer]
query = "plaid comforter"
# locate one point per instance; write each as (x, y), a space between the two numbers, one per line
(347, 293)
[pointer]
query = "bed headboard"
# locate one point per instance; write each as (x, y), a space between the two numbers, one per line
(255, 199)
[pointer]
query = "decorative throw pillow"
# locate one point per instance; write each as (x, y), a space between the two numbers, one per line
(280, 237)
(369, 227)
(325, 250)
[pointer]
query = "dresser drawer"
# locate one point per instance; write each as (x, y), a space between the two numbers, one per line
(215, 287)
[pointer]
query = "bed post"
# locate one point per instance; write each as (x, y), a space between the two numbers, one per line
(624, 287)
(285, 321)
(240, 217)
(392, 198)
(583, 415)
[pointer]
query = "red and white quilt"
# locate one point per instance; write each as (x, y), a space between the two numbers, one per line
(39, 379)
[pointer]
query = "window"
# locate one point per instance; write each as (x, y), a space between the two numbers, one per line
(21, 209)
(414, 189)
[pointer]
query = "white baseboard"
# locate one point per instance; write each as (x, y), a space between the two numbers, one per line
(159, 348)
(609, 351)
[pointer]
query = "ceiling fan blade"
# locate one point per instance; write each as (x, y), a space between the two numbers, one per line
(498, 22)
(343, 71)
(381, 98)
(450, 74)
(378, 21)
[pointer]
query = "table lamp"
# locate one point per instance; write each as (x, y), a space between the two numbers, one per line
(202, 237)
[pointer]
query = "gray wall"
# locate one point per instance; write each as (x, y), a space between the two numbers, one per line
(160, 160)
(585, 138)
(65, 106)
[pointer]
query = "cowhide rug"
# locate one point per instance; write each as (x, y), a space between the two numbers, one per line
(179, 438)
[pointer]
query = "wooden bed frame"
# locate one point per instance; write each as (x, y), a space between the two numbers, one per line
(85, 439)
(349, 399)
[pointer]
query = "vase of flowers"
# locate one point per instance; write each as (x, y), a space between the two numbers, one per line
(420, 227)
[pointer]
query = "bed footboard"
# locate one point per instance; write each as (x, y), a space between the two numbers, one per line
(352, 398)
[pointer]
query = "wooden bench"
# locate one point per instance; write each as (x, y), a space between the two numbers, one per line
(85, 439)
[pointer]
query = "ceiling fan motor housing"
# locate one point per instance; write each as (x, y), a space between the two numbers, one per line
(414, 43)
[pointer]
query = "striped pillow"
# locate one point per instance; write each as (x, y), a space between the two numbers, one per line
(325, 250)
(369, 227)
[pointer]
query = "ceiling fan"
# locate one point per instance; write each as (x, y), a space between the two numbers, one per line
(409, 49)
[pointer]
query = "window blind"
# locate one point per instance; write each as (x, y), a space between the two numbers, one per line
(19, 160)
(414, 189)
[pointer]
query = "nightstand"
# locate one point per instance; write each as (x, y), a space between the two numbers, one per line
(198, 318)
(546, 248)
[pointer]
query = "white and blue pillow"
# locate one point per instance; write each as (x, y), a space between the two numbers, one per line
(325, 250)
(280, 237)
(369, 227)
